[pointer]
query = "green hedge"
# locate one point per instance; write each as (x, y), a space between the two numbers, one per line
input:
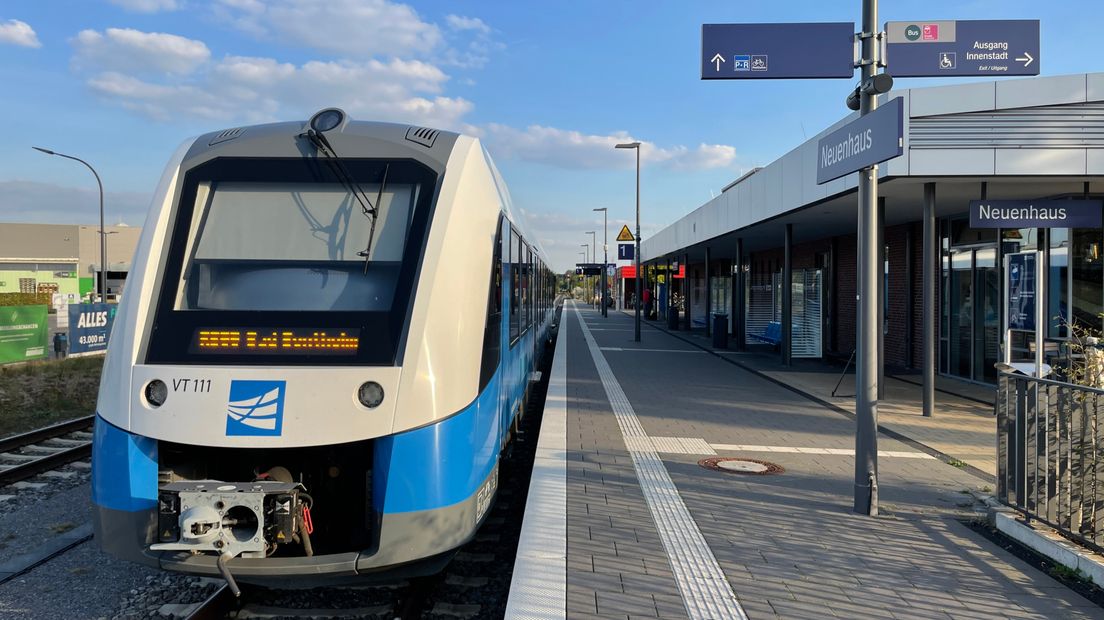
(25, 299)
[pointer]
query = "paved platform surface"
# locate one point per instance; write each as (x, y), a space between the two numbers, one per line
(962, 426)
(785, 545)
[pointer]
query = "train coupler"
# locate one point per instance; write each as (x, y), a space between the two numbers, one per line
(231, 519)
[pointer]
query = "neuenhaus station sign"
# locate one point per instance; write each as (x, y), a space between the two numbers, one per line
(863, 142)
(1035, 213)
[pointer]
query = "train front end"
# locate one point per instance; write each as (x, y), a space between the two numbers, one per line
(291, 394)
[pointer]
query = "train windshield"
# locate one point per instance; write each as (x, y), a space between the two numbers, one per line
(294, 246)
(270, 256)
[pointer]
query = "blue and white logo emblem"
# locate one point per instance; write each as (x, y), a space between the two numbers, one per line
(255, 408)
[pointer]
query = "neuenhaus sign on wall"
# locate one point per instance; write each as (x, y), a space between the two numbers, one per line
(863, 142)
(1035, 213)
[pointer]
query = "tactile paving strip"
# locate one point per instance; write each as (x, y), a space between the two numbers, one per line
(705, 589)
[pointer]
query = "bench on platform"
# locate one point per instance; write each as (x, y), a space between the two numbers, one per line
(772, 335)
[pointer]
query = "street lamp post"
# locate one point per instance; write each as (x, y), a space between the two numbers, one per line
(593, 249)
(586, 278)
(103, 236)
(584, 255)
(605, 259)
(636, 145)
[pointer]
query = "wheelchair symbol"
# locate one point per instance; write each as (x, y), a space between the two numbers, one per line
(946, 60)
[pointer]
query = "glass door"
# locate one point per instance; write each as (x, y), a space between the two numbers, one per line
(972, 313)
(987, 324)
(962, 313)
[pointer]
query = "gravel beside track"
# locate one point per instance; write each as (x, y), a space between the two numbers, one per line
(83, 582)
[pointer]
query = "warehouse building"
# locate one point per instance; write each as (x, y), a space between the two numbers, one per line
(64, 258)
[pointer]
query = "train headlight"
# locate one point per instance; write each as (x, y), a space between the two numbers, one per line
(370, 394)
(327, 120)
(156, 393)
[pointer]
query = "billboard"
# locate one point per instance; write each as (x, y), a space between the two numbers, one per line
(23, 332)
(90, 326)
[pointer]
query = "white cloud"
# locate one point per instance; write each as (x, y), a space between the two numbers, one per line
(576, 150)
(147, 6)
(459, 22)
(351, 28)
(240, 88)
(128, 50)
(19, 33)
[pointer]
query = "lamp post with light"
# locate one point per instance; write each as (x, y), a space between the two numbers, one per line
(584, 255)
(586, 277)
(593, 251)
(605, 259)
(103, 236)
(636, 286)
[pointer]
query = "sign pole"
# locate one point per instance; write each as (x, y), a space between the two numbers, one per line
(639, 280)
(866, 398)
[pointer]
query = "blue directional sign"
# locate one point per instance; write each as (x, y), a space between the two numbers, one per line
(863, 142)
(766, 51)
(1035, 213)
(962, 48)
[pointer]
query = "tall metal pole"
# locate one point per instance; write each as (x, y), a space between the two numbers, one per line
(929, 257)
(594, 256)
(103, 235)
(866, 398)
(636, 337)
(605, 257)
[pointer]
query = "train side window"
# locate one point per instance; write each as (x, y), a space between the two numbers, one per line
(492, 331)
(515, 284)
(528, 287)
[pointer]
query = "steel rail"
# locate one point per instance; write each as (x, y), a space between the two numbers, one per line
(44, 463)
(50, 432)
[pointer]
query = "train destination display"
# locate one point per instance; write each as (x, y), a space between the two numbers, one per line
(276, 341)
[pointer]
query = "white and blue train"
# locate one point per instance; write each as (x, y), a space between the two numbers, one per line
(323, 350)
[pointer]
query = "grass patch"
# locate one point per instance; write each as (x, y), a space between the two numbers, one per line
(956, 463)
(1062, 572)
(43, 393)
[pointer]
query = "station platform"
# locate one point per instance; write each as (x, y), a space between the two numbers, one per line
(623, 521)
(963, 428)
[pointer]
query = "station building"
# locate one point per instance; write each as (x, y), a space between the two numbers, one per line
(64, 258)
(1037, 138)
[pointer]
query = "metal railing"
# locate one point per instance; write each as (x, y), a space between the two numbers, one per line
(1050, 454)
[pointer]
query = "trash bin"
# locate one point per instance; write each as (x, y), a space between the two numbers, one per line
(720, 331)
(673, 319)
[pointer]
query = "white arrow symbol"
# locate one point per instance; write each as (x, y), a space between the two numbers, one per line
(1025, 61)
(718, 59)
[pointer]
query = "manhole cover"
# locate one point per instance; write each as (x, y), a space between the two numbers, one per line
(751, 467)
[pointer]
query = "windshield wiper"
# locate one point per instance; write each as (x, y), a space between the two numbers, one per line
(337, 165)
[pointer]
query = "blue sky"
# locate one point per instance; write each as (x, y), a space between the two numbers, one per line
(548, 86)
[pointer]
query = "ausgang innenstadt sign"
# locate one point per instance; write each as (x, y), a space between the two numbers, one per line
(863, 142)
(1035, 213)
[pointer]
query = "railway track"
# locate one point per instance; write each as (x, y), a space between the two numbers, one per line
(30, 454)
